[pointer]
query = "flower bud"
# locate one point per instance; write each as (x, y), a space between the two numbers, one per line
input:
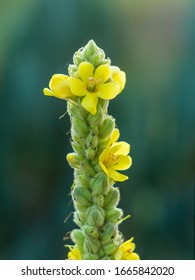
(107, 232)
(78, 149)
(83, 180)
(99, 183)
(73, 160)
(90, 153)
(95, 216)
(90, 231)
(113, 214)
(82, 210)
(77, 236)
(91, 245)
(82, 196)
(88, 256)
(112, 198)
(107, 127)
(109, 248)
(98, 200)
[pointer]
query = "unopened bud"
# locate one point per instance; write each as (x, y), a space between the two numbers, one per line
(77, 236)
(73, 160)
(107, 232)
(91, 245)
(95, 216)
(90, 231)
(107, 127)
(88, 256)
(112, 198)
(109, 249)
(114, 214)
(82, 196)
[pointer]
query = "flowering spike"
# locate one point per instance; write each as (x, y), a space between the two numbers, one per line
(97, 155)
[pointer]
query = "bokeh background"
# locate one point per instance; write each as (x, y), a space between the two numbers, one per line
(154, 42)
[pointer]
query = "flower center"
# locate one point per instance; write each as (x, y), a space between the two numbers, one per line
(111, 160)
(92, 84)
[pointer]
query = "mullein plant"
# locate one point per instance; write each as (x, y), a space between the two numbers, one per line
(97, 155)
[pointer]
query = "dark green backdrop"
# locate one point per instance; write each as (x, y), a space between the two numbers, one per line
(154, 42)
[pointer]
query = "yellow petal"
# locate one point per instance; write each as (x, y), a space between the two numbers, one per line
(104, 168)
(108, 91)
(102, 73)
(60, 87)
(114, 136)
(47, 92)
(120, 148)
(132, 256)
(85, 70)
(89, 103)
(116, 176)
(123, 163)
(120, 77)
(77, 87)
(104, 154)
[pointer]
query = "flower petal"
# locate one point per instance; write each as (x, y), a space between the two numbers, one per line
(85, 70)
(116, 176)
(108, 90)
(123, 163)
(104, 168)
(89, 103)
(77, 86)
(102, 73)
(47, 92)
(60, 87)
(120, 148)
(114, 136)
(132, 256)
(104, 154)
(119, 77)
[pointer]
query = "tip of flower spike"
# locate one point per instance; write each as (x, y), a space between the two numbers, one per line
(91, 53)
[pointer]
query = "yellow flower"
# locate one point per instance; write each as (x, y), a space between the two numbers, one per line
(115, 157)
(125, 251)
(118, 76)
(74, 253)
(93, 85)
(59, 87)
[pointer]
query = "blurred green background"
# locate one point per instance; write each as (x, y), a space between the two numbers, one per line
(154, 42)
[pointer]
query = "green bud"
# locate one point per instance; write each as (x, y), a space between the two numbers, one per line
(112, 198)
(109, 249)
(86, 167)
(92, 140)
(77, 220)
(82, 180)
(90, 153)
(95, 216)
(88, 256)
(82, 196)
(107, 232)
(113, 214)
(98, 200)
(107, 127)
(79, 127)
(72, 69)
(78, 149)
(105, 258)
(82, 210)
(90, 231)
(91, 245)
(99, 184)
(77, 236)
